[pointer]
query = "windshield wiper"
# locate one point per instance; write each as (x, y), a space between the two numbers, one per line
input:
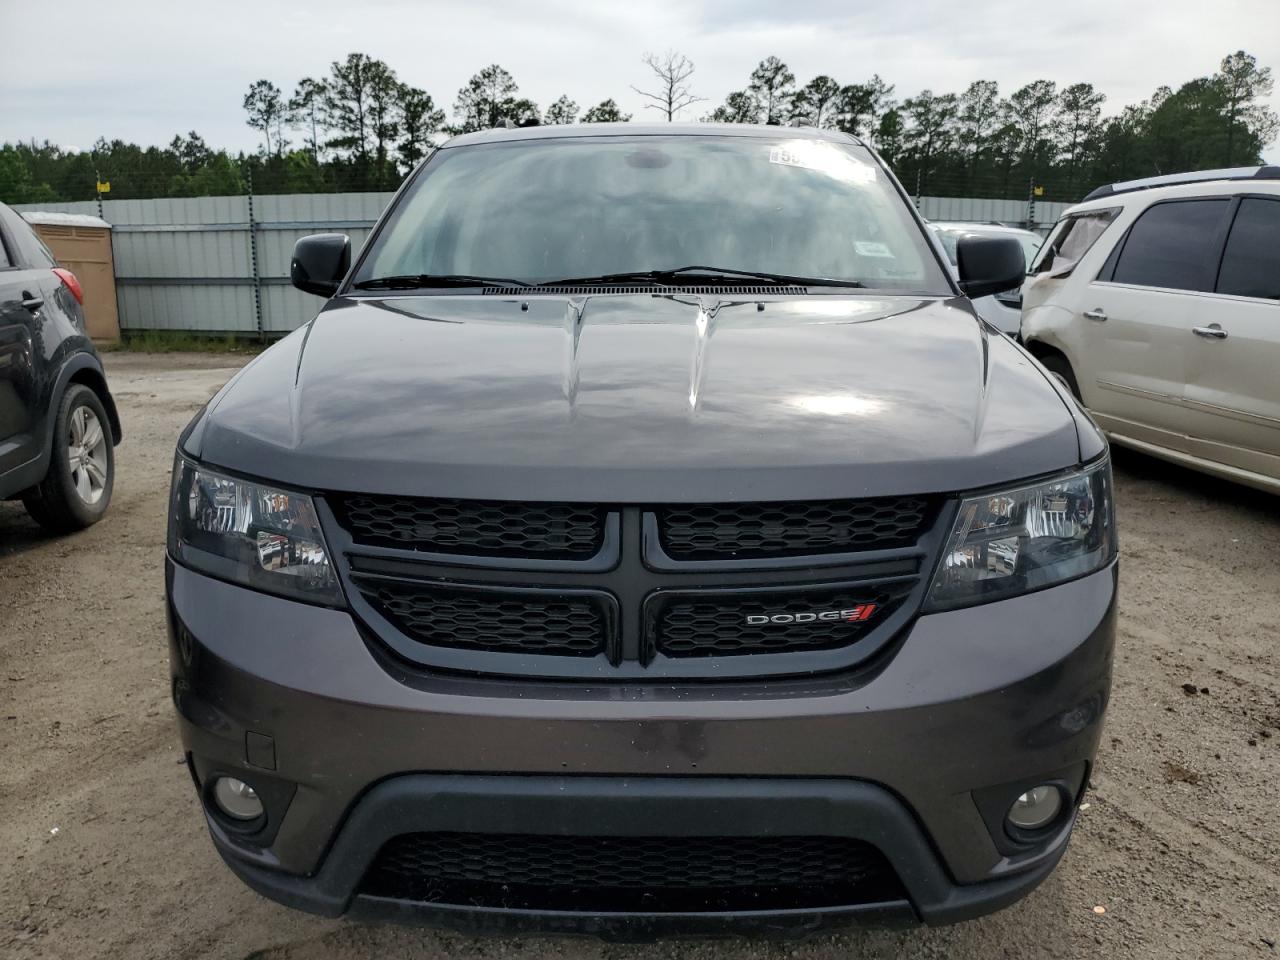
(700, 272)
(424, 281)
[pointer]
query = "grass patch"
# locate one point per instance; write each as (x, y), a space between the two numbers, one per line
(185, 341)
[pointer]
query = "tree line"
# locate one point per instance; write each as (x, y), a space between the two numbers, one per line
(359, 127)
(979, 143)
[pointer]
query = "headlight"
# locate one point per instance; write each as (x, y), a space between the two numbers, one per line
(1017, 540)
(245, 532)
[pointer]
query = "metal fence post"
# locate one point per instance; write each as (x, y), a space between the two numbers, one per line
(253, 260)
(1031, 205)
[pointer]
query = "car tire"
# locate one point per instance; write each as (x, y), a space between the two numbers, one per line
(1060, 368)
(77, 488)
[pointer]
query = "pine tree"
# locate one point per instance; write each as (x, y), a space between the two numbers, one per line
(562, 111)
(418, 121)
(773, 86)
(267, 113)
(606, 111)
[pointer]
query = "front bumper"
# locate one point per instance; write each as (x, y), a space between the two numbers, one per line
(902, 755)
(624, 807)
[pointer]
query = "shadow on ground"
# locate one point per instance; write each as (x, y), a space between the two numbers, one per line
(18, 532)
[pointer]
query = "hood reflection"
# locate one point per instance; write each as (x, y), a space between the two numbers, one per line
(839, 405)
(642, 398)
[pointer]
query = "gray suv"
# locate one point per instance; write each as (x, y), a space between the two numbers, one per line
(646, 538)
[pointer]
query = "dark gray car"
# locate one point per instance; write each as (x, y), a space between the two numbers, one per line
(58, 422)
(645, 538)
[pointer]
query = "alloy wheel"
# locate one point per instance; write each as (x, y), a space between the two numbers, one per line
(87, 454)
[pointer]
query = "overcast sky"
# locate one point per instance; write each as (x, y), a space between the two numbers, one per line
(144, 70)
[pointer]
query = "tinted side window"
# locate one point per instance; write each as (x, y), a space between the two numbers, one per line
(26, 248)
(10, 245)
(1173, 245)
(1251, 263)
(15, 236)
(42, 249)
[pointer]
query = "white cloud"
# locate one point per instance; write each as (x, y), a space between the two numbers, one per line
(144, 70)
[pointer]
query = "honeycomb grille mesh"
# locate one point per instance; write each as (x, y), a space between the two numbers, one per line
(743, 530)
(491, 620)
(653, 873)
(474, 527)
(717, 626)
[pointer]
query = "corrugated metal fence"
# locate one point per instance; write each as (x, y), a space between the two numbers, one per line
(221, 264)
(979, 210)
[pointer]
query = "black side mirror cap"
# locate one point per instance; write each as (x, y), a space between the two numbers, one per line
(989, 265)
(320, 262)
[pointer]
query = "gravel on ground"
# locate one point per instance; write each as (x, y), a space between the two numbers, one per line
(103, 851)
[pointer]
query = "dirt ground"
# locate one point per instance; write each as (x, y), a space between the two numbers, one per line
(103, 852)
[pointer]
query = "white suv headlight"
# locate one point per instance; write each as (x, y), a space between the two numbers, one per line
(251, 534)
(1027, 537)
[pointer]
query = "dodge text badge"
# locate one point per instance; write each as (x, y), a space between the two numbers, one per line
(862, 611)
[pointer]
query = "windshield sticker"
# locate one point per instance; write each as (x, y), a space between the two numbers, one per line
(822, 158)
(786, 157)
(872, 248)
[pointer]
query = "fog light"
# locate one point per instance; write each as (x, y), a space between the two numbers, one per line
(236, 799)
(1036, 808)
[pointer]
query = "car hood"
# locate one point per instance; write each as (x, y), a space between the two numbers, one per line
(645, 398)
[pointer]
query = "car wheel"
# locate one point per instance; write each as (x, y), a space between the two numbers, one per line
(1060, 368)
(75, 492)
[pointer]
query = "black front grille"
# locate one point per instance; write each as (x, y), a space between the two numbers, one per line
(491, 620)
(632, 591)
(475, 527)
(718, 531)
(651, 874)
(721, 625)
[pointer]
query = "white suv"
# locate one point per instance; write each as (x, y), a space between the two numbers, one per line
(1158, 303)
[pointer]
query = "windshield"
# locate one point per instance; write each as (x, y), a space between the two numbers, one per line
(545, 210)
(1031, 244)
(1071, 239)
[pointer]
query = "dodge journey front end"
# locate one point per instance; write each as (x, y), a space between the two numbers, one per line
(645, 538)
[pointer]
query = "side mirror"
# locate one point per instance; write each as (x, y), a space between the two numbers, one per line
(989, 265)
(320, 262)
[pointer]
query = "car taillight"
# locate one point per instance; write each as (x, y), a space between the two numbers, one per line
(72, 284)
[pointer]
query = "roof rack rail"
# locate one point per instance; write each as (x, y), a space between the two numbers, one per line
(1270, 172)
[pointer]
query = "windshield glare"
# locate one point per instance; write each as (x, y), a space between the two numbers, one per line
(546, 210)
